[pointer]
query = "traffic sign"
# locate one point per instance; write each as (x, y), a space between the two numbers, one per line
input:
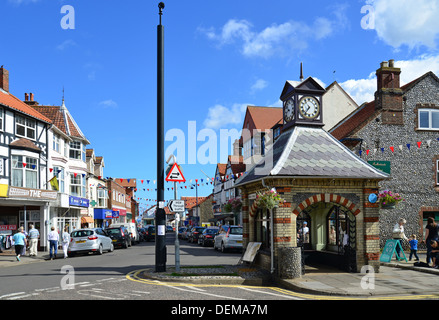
(176, 205)
(175, 174)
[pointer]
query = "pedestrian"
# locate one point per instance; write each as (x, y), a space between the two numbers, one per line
(33, 237)
(65, 241)
(53, 238)
(19, 242)
(398, 234)
(413, 247)
(434, 253)
(431, 233)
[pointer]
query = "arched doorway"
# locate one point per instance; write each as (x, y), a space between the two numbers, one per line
(332, 235)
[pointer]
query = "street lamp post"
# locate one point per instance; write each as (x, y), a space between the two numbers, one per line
(160, 217)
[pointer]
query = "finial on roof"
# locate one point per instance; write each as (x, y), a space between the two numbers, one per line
(301, 72)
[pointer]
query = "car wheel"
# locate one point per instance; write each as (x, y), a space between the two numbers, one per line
(100, 250)
(125, 244)
(223, 248)
(129, 244)
(111, 248)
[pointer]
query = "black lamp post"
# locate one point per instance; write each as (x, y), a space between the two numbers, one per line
(160, 216)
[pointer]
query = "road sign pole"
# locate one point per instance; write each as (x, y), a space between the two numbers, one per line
(160, 216)
(177, 241)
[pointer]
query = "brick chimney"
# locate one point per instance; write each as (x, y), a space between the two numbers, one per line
(388, 96)
(4, 79)
(29, 99)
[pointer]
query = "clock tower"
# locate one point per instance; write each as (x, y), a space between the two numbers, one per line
(302, 103)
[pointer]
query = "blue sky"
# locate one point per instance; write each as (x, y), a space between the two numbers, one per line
(220, 56)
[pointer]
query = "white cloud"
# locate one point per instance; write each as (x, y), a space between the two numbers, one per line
(66, 44)
(260, 84)
(108, 104)
(406, 22)
(279, 39)
(220, 116)
(18, 2)
(363, 90)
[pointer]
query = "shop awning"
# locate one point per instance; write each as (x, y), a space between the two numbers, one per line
(86, 219)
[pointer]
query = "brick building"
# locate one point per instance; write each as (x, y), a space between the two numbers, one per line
(322, 182)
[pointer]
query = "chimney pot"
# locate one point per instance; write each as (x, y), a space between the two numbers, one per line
(391, 63)
(31, 96)
(26, 97)
(384, 64)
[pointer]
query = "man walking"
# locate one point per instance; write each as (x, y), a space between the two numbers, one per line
(53, 238)
(34, 235)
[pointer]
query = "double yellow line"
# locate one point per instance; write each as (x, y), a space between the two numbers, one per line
(134, 276)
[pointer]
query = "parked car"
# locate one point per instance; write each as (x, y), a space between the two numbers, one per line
(181, 230)
(207, 236)
(132, 229)
(150, 233)
(119, 236)
(89, 240)
(195, 232)
(169, 229)
(186, 233)
(228, 237)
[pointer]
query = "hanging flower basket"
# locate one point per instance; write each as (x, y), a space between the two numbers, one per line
(389, 200)
(268, 199)
(233, 205)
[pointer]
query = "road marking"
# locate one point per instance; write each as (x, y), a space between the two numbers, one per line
(12, 294)
(270, 293)
(195, 288)
(102, 280)
(205, 293)
(25, 296)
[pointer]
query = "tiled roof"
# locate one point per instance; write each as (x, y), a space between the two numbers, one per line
(265, 117)
(25, 143)
(355, 121)
(310, 152)
(13, 102)
(60, 119)
(222, 168)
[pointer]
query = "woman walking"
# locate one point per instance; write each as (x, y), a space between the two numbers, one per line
(20, 242)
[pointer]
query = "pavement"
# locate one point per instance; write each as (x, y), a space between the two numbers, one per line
(395, 279)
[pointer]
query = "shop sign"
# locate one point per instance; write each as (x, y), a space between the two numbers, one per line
(381, 165)
(7, 227)
(79, 202)
(16, 192)
(115, 214)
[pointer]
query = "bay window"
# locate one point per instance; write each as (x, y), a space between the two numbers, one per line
(24, 172)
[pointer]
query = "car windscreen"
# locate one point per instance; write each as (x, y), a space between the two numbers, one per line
(113, 231)
(82, 233)
(235, 231)
(151, 229)
(211, 231)
(199, 229)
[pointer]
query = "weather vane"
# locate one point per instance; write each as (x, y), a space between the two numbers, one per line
(161, 7)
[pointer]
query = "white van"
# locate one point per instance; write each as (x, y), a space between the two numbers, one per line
(131, 226)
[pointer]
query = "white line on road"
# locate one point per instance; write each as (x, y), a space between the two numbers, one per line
(205, 293)
(11, 294)
(270, 293)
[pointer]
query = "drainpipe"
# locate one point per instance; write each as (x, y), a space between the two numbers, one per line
(271, 234)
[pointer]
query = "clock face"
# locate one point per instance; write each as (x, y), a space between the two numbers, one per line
(289, 110)
(309, 107)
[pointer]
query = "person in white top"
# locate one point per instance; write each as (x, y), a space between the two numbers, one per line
(53, 238)
(398, 234)
(65, 241)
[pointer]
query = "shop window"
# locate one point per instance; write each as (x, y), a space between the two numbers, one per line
(24, 172)
(303, 228)
(25, 127)
(263, 228)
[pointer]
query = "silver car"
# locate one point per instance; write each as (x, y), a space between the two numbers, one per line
(228, 237)
(89, 240)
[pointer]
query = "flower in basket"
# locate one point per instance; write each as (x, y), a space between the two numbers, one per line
(388, 198)
(233, 204)
(268, 199)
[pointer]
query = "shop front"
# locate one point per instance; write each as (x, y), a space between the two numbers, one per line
(23, 207)
(102, 217)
